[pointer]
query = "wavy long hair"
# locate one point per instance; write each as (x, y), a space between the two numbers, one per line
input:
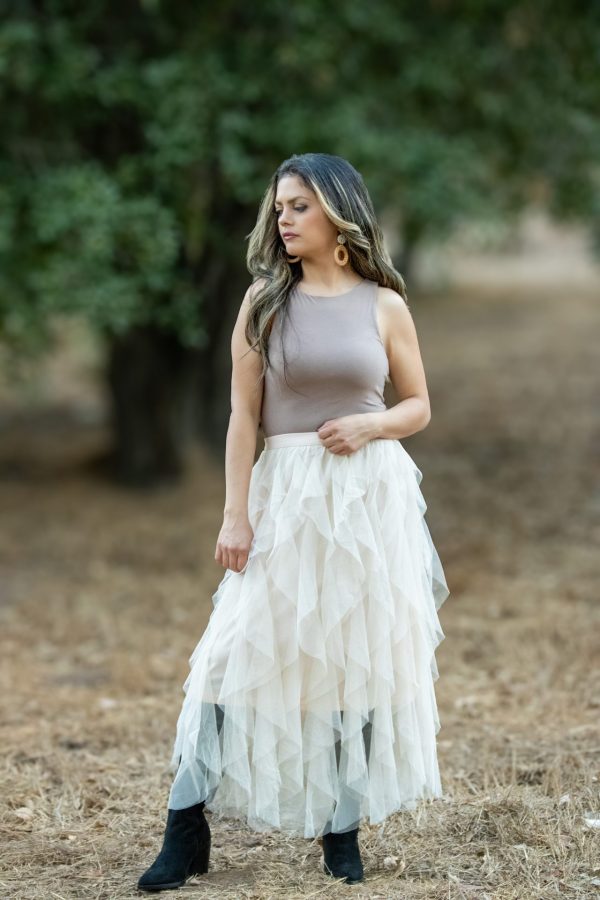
(345, 200)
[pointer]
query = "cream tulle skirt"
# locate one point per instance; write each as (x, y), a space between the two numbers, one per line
(310, 700)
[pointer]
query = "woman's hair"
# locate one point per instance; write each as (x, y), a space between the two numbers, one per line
(345, 200)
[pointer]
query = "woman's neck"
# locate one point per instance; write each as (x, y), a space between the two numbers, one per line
(317, 280)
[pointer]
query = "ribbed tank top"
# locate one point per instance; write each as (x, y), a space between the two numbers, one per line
(336, 360)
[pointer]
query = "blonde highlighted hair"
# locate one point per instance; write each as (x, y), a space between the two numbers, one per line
(342, 193)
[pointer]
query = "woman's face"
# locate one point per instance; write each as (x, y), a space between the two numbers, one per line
(299, 212)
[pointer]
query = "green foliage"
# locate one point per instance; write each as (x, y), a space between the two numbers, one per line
(138, 138)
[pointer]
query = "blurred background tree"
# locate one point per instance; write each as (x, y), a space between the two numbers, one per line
(139, 138)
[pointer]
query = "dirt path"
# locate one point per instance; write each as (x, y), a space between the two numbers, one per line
(104, 595)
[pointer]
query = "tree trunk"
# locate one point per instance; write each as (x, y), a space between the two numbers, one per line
(150, 377)
(412, 235)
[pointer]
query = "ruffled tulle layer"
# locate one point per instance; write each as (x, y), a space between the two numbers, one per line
(310, 700)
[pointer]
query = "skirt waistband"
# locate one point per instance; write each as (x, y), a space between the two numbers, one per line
(293, 439)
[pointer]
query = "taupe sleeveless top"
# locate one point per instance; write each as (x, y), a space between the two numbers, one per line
(336, 360)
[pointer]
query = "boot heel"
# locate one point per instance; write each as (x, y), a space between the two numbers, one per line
(199, 864)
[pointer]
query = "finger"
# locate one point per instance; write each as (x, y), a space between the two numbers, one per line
(235, 557)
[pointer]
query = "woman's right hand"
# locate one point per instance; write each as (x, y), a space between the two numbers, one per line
(234, 542)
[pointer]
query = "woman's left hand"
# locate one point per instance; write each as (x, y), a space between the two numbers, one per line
(346, 434)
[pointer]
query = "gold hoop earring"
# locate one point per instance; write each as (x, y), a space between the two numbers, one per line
(340, 253)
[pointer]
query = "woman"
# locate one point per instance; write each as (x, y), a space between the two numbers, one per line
(310, 703)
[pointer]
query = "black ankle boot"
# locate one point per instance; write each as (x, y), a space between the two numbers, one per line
(185, 850)
(342, 856)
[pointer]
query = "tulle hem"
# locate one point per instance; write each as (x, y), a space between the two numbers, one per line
(310, 702)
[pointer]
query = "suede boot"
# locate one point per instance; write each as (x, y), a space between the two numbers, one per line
(342, 856)
(185, 850)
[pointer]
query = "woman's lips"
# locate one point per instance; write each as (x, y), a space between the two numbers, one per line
(289, 237)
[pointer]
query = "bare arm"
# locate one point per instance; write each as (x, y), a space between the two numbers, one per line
(235, 537)
(413, 412)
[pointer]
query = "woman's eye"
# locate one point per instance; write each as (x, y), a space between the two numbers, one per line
(296, 208)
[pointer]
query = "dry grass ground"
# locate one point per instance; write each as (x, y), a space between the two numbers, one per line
(105, 594)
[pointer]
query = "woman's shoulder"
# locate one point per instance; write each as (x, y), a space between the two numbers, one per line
(257, 285)
(389, 299)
